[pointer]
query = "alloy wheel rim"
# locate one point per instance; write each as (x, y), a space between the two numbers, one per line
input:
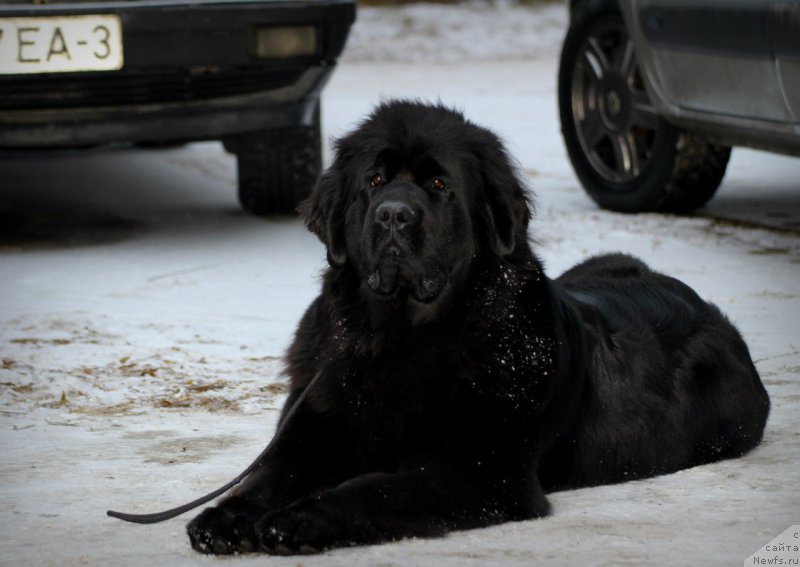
(615, 122)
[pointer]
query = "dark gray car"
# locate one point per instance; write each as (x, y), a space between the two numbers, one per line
(79, 73)
(654, 93)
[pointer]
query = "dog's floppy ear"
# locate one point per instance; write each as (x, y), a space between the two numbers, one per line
(507, 209)
(323, 217)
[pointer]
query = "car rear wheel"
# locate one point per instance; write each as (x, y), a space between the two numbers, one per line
(626, 156)
(277, 168)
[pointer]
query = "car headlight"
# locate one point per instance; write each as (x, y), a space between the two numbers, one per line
(285, 41)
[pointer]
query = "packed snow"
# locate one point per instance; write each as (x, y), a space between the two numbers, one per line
(143, 318)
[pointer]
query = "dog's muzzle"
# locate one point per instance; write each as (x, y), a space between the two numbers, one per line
(396, 245)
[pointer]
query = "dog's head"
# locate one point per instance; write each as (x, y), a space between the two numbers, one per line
(415, 196)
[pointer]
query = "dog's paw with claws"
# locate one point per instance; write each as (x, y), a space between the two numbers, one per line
(300, 529)
(223, 530)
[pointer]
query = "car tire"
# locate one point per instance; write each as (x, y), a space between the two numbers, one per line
(277, 168)
(626, 156)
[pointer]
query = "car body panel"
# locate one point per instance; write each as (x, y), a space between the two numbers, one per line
(708, 55)
(783, 28)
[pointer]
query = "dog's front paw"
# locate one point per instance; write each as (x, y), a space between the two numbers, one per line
(302, 528)
(223, 530)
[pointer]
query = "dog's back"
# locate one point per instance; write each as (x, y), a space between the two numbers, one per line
(670, 380)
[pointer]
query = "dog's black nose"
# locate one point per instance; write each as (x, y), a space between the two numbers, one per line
(394, 214)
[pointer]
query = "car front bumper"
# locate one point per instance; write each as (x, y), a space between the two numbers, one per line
(191, 73)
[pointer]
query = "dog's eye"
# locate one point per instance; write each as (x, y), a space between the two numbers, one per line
(375, 180)
(437, 184)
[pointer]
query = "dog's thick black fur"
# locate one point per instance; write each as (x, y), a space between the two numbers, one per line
(459, 384)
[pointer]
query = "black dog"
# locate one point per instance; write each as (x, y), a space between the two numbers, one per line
(458, 383)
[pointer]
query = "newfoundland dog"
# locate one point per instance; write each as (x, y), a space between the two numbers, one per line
(458, 384)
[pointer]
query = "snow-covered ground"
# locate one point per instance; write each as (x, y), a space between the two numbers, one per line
(142, 320)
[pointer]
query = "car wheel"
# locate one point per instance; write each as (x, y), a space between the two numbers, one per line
(277, 168)
(627, 157)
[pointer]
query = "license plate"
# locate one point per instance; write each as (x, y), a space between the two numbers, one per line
(60, 44)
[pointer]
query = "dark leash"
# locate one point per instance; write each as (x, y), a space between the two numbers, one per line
(169, 514)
